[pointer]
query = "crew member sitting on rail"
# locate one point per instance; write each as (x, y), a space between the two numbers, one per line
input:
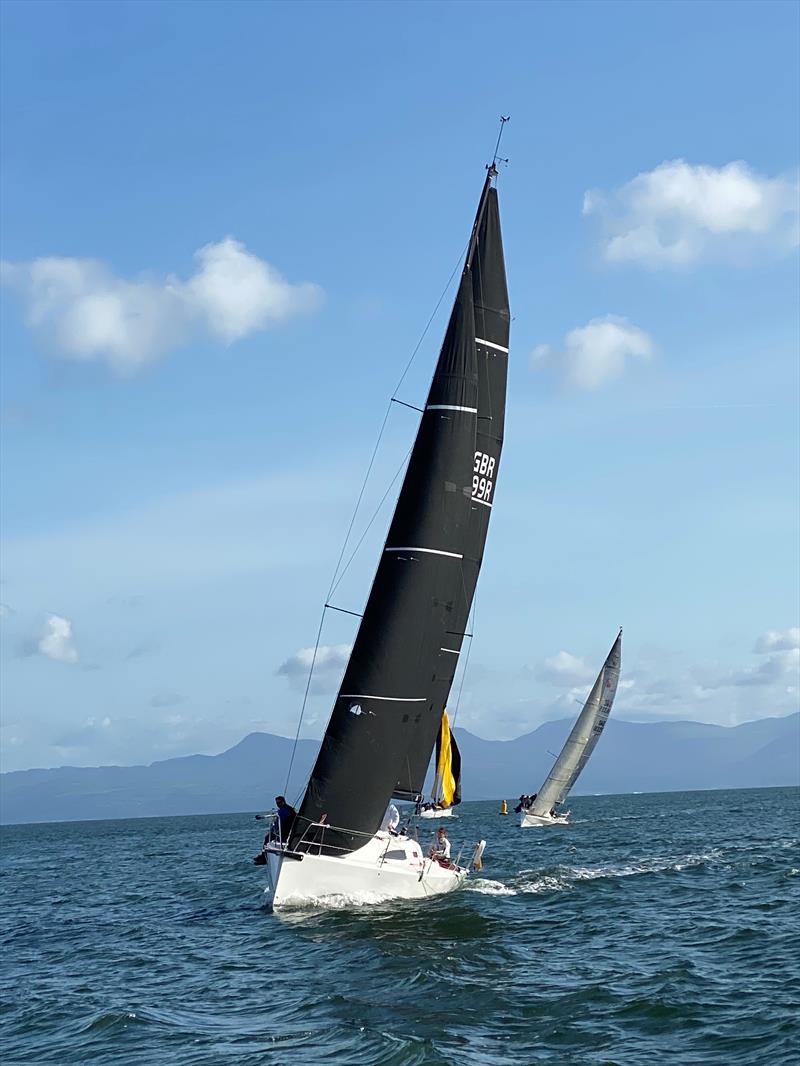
(283, 821)
(441, 848)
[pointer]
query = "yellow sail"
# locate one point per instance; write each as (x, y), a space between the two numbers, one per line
(445, 766)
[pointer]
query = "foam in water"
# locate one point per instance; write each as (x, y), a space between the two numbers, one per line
(561, 878)
(487, 887)
(343, 901)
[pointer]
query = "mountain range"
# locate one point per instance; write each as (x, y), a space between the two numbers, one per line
(632, 757)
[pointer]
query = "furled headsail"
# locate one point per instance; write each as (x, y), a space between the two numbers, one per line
(584, 735)
(486, 266)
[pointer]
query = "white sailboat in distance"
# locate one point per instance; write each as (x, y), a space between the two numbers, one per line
(581, 742)
(389, 708)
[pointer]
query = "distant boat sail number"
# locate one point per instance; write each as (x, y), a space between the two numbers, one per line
(482, 477)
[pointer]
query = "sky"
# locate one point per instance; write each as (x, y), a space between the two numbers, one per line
(224, 229)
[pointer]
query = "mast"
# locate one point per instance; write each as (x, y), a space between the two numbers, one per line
(583, 736)
(386, 690)
(485, 263)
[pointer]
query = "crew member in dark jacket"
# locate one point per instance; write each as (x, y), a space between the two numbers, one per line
(283, 821)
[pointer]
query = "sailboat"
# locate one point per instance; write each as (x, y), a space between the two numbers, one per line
(388, 711)
(579, 745)
(447, 781)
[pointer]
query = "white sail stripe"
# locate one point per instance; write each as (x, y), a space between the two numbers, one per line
(391, 699)
(450, 407)
(491, 344)
(453, 651)
(484, 502)
(429, 551)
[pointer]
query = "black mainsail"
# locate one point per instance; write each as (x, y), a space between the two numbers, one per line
(486, 263)
(387, 713)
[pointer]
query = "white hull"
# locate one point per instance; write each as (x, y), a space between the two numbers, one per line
(528, 820)
(387, 867)
(444, 812)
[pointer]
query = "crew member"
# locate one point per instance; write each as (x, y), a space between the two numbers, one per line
(441, 848)
(283, 821)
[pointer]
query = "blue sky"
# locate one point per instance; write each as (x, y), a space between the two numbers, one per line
(224, 229)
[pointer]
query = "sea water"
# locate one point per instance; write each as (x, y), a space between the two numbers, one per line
(654, 928)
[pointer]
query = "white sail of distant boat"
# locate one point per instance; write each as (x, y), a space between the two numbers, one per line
(581, 742)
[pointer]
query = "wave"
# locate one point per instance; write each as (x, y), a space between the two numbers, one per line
(110, 1019)
(485, 886)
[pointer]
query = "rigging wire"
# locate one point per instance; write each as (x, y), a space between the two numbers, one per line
(305, 699)
(466, 659)
(358, 501)
(445, 290)
(369, 524)
(503, 120)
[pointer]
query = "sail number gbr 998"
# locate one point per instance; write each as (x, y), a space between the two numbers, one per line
(482, 477)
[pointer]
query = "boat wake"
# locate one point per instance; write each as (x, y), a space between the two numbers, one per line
(564, 878)
(537, 882)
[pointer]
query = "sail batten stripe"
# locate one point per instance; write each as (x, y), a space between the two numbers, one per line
(491, 344)
(429, 551)
(453, 651)
(484, 502)
(450, 407)
(390, 699)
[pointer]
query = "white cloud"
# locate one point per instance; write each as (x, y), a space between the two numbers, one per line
(564, 669)
(597, 352)
(778, 640)
(678, 213)
(87, 313)
(778, 667)
(57, 642)
(329, 664)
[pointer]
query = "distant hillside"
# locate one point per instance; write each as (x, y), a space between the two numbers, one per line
(639, 757)
(631, 757)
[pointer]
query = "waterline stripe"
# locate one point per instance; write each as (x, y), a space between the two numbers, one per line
(491, 344)
(429, 551)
